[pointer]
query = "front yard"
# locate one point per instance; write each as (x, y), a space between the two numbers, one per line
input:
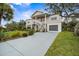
(65, 44)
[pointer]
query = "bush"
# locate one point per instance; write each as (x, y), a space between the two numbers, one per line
(1, 36)
(24, 34)
(4, 36)
(69, 26)
(31, 32)
(64, 26)
(11, 34)
(15, 34)
(76, 29)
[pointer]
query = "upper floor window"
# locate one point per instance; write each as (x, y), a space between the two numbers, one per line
(54, 18)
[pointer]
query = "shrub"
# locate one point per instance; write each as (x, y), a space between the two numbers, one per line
(31, 32)
(14, 34)
(24, 34)
(76, 29)
(1, 36)
(69, 26)
(11, 34)
(64, 26)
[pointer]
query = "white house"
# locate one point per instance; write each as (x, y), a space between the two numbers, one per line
(44, 22)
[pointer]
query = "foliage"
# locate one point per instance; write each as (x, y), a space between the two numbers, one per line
(22, 25)
(69, 26)
(59, 8)
(11, 26)
(64, 26)
(6, 12)
(63, 9)
(14, 34)
(31, 31)
(76, 29)
(65, 44)
(16, 25)
(1, 36)
(25, 34)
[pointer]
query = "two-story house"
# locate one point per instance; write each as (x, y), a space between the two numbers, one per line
(44, 22)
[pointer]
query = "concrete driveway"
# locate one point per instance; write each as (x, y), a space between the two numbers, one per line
(35, 45)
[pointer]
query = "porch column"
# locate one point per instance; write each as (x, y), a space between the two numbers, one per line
(35, 18)
(31, 26)
(45, 24)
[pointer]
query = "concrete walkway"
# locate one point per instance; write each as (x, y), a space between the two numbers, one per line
(35, 45)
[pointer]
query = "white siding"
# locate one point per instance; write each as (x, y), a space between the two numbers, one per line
(59, 26)
(54, 22)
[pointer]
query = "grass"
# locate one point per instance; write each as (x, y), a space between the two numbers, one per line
(65, 44)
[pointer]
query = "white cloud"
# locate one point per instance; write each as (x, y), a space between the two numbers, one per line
(23, 16)
(13, 7)
(23, 4)
(27, 14)
(20, 4)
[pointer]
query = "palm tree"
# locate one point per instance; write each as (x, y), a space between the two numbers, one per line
(6, 12)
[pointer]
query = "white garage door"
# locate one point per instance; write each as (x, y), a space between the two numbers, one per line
(53, 27)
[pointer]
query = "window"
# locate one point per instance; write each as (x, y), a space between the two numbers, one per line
(54, 18)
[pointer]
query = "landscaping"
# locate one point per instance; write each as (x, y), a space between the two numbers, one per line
(4, 36)
(65, 44)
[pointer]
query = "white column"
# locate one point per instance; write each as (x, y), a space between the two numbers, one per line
(45, 23)
(31, 26)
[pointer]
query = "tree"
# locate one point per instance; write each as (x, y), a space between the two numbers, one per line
(22, 25)
(6, 12)
(11, 26)
(63, 9)
(16, 25)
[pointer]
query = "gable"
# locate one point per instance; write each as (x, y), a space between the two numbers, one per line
(37, 13)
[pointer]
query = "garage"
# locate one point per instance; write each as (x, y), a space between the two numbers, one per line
(53, 27)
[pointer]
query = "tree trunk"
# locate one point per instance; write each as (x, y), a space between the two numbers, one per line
(0, 22)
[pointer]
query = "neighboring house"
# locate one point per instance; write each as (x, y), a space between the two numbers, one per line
(73, 17)
(44, 22)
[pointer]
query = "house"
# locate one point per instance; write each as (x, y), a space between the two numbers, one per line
(72, 17)
(44, 22)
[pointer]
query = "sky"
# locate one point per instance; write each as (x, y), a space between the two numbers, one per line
(23, 11)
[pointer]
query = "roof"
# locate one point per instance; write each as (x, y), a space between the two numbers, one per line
(74, 15)
(38, 13)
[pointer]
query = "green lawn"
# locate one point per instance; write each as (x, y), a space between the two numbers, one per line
(65, 44)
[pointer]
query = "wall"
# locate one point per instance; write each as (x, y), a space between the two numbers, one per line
(59, 26)
(54, 22)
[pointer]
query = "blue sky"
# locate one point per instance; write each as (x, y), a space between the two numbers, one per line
(23, 11)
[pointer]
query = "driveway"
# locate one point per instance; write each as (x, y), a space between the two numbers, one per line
(35, 45)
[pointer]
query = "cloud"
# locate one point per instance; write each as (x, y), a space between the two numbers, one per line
(27, 14)
(23, 16)
(13, 7)
(23, 4)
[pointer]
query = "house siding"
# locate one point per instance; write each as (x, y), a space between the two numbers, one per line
(54, 22)
(46, 23)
